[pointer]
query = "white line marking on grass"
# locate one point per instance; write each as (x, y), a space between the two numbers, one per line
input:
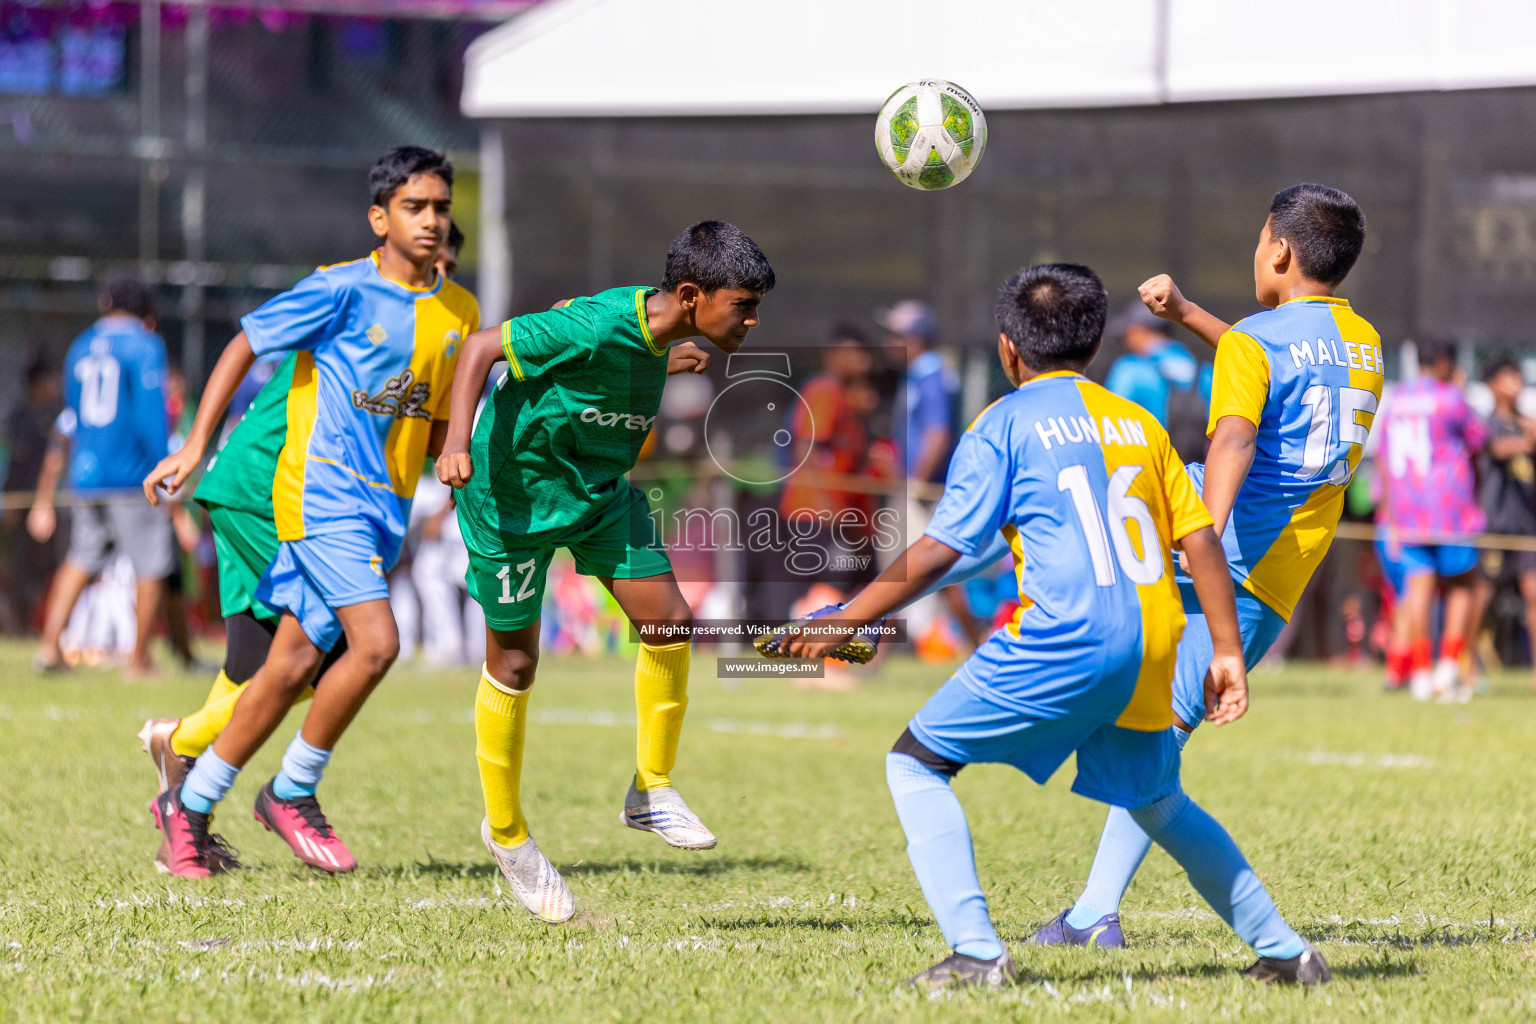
(1355, 759)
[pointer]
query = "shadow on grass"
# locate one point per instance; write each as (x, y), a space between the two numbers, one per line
(829, 923)
(1110, 970)
(1417, 938)
(704, 867)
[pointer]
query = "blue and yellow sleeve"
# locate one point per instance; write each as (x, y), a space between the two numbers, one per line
(1186, 511)
(536, 343)
(975, 502)
(1240, 382)
(299, 319)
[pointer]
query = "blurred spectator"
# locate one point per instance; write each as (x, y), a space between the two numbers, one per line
(29, 563)
(114, 422)
(1506, 493)
(186, 528)
(1429, 437)
(1153, 369)
(828, 433)
(452, 627)
(926, 404)
(925, 430)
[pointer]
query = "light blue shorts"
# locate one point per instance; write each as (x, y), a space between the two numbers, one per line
(1391, 567)
(1117, 766)
(311, 577)
(1258, 624)
(1444, 560)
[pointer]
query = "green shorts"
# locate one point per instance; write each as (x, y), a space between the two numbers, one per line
(245, 543)
(506, 574)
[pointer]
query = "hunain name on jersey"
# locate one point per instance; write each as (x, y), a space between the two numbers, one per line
(1054, 430)
(400, 396)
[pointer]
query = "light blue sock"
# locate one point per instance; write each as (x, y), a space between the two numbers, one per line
(1122, 848)
(1219, 872)
(205, 785)
(303, 765)
(939, 846)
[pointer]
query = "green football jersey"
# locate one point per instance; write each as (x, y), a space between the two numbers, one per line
(239, 475)
(566, 422)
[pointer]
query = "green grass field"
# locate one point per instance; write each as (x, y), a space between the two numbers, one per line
(1397, 836)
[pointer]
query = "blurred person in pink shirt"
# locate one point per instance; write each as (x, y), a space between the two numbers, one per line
(1429, 437)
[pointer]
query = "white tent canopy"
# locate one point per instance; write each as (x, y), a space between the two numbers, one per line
(618, 58)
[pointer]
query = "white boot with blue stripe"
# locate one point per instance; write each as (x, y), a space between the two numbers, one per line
(663, 811)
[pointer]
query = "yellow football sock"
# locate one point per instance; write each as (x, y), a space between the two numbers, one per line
(500, 716)
(198, 730)
(223, 686)
(661, 697)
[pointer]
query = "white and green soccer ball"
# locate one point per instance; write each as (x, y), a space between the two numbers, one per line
(931, 134)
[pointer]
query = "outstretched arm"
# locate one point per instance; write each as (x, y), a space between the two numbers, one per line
(908, 578)
(480, 353)
(173, 470)
(1164, 299)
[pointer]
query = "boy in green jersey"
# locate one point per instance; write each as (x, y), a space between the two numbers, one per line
(545, 470)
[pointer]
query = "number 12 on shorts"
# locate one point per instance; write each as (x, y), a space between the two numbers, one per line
(525, 591)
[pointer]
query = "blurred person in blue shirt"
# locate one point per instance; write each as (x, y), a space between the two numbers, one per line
(926, 412)
(1153, 367)
(111, 433)
(928, 389)
(1156, 369)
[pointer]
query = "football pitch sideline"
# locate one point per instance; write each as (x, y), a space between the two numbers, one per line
(1397, 836)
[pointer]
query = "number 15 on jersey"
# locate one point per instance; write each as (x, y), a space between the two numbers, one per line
(1329, 436)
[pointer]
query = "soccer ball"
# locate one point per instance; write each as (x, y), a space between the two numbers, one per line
(931, 134)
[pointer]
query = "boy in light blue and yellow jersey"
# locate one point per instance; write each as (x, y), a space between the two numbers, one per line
(1294, 395)
(376, 341)
(375, 358)
(1089, 494)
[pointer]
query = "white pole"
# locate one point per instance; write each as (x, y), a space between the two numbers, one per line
(495, 277)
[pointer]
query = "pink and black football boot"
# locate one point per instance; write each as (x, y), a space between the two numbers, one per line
(190, 851)
(301, 824)
(171, 771)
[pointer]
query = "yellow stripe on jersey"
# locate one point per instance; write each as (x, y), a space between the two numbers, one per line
(442, 322)
(1239, 381)
(1283, 573)
(506, 350)
(1170, 496)
(645, 323)
(288, 482)
(1016, 545)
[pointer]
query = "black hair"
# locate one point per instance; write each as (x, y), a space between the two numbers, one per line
(1437, 348)
(455, 236)
(38, 367)
(125, 293)
(1498, 364)
(400, 165)
(1054, 314)
(713, 255)
(846, 330)
(1324, 227)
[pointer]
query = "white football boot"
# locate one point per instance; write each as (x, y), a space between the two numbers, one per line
(1447, 680)
(532, 878)
(1422, 685)
(662, 811)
